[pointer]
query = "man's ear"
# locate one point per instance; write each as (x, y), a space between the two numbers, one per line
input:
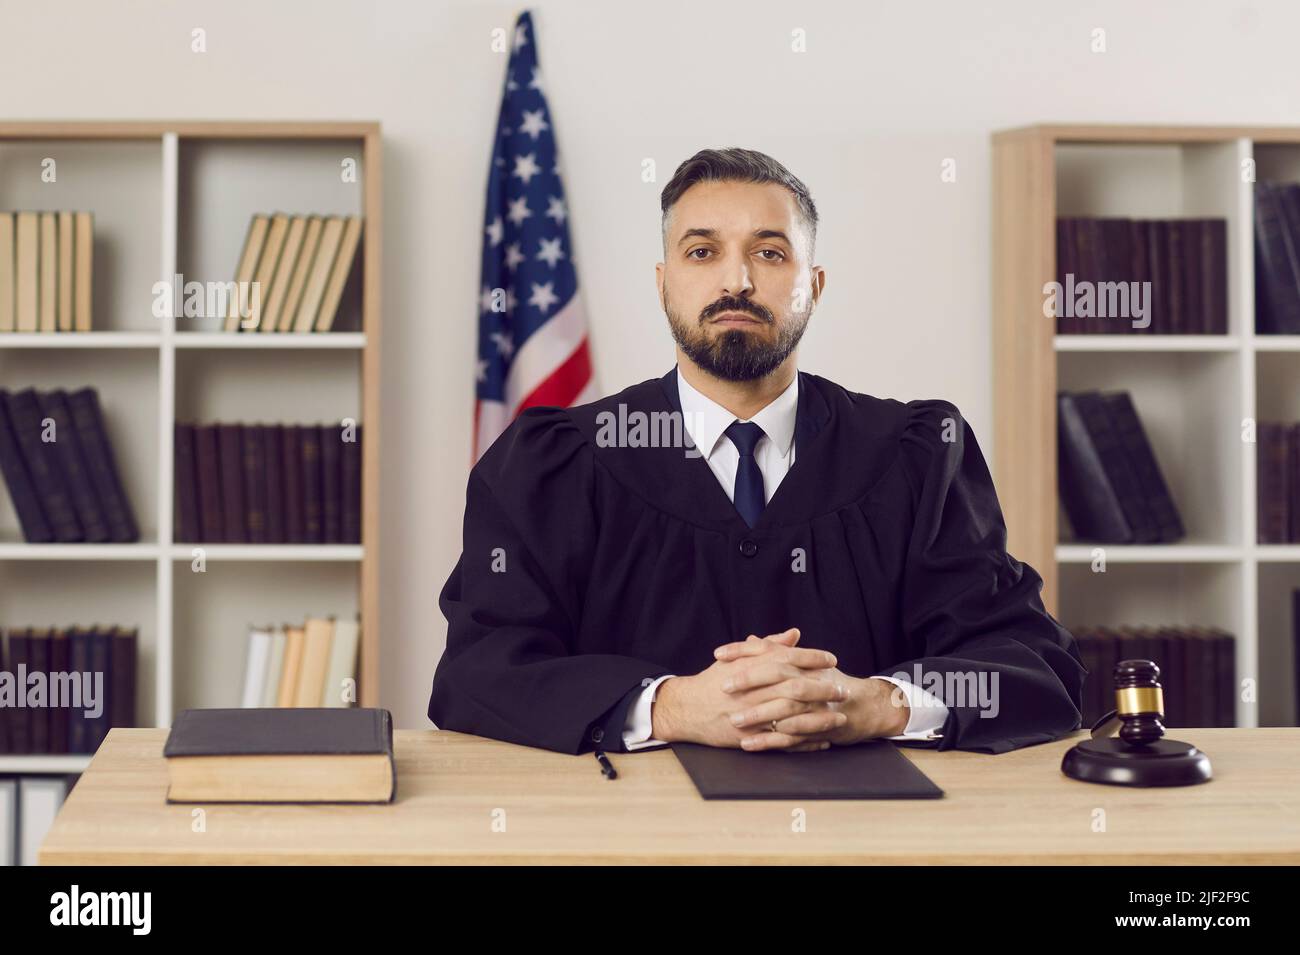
(659, 282)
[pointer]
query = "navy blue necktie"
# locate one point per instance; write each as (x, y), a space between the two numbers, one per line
(749, 479)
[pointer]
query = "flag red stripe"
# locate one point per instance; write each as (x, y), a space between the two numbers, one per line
(563, 384)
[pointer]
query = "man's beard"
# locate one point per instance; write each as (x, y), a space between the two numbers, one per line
(736, 354)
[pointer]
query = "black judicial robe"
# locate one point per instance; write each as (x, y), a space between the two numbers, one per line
(588, 570)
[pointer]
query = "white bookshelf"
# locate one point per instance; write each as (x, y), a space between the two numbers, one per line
(1193, 392)
(169, 198)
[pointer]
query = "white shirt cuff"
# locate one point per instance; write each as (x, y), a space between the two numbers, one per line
(639, 725)
(926, 713)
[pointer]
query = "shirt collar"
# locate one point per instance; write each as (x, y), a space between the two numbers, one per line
(706, 421)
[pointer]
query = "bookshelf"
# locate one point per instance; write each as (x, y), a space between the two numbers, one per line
(168, 198)
(1193, 392)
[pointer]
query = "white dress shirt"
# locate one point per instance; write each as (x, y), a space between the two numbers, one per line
(706, 422)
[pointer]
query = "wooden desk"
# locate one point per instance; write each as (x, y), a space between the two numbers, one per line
(1012, 808)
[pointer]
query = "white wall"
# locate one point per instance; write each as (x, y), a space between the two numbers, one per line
(883, 94)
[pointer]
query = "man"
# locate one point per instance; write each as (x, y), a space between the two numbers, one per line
(795, 566)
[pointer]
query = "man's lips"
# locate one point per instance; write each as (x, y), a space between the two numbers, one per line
(735, 318)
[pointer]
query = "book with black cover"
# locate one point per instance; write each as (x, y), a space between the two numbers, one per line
(313, 509)
(255, 483)
(874, 769)
(187, 490)
(350, 488)
(1089, 499)
(100, 465)
(42, 463)
(22, 492)
(71, 459)
(230, 735)
(331, 440)
(1158, 502)
(230, 452)
(207, 469)
(273, 440)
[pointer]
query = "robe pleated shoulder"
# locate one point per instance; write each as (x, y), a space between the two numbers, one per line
(599, 552)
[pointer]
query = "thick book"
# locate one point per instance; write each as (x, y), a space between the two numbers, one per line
(291, 472)
(340, 273)
(322, 265)
(84, 272)
(186, 516)
(71, 457)
(1158, 502)
(60, 662)
(301, 270)
(340, 677)
(27, 241)
(870, 770)
(42, 462)
(67, 281)
(22, 491)
(20, 717)
(267, 264)
(38, 661)
(1090, 500)
(207, 467)
(121, 679)
(1119, 469)
(49, 272)
(313, 511)
(331, 451)
(273, 454)
(231, 455)
(6, 273)
(1277, 266)
(318, 635)
(284, 270)
(245, 272)
(300, 755)
(1273, 480)
(350, 487)
(78, 721)
(100, 464)
(254, 449)
(101, 655)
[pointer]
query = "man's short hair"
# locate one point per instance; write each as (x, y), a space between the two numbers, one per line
(737, 165)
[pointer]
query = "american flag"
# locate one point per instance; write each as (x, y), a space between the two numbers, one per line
(532, 334)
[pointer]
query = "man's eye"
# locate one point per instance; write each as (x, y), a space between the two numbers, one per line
(779, 255)
(691, 254)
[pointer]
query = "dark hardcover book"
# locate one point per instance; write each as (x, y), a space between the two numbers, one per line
(1091, 246)
(351, 487)
(102, 674)
(1157, 261)
(20, 717)
(312, 496)
(207, 465)
(22, 492)
(1293, 484)
(1117, 262)
(72, 461)
(1175, 279)
(1214, 275)
(230, 454)
(1277, 266)
(89, 419)
(331, 486)
(230, 736)
(38, 661)
(1273, 482)
(78, 724)
(255, 483)
(122, 682)
(1067, 252)
(1087, 495)
(1140, 268)
(1155, 492)
(1119, 470)
(1203, 676)
(59, 663)
(871, 770)
(1287, 196)
(188, 527)
(294, 527)
(1179, 705)
(1225, 668)
(43, 465)
(273, 440)
(1193, 263)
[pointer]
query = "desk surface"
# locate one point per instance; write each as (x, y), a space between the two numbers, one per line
(455, 793)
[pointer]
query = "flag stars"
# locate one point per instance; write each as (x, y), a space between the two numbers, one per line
(536, 82)
(485, 300)
(526, 167)
(555, 209)
(480, 370)
(521, 37)
(496, 229)
(504, 345)
(551, 253)
(543, 296)
(519, 211)
(514, 256)
(534, 123)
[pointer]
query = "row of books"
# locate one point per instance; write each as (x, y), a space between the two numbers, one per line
(1277, 477)
(46, 267)
(299, 267)
(1111, 485)
(57, 712)
(268, 483)
(1277, 258)
(58, 464)
(1198, 670)
(313, 664)
(1184, 260)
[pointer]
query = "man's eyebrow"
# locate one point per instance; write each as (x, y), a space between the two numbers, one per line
(713, 234)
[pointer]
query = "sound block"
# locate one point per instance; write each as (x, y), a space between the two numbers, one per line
(1164, 762)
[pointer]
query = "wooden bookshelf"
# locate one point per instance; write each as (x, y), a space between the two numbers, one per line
(168, 198)
(1193, 392)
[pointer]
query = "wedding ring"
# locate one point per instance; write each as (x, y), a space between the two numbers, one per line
(773, 724)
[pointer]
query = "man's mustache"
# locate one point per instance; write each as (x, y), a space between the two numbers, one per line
(736, 305)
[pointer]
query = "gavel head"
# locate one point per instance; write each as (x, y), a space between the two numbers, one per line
(1139, 702)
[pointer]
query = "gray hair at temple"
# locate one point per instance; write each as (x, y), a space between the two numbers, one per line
(737, 165)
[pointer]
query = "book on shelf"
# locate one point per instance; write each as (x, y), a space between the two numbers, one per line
(267, 484)
(1277, 478)
(1197, 670)
(1111, 486)
(46, 271)
(1104, 264)
(60, 470)
(58, 712)
(308, 665)
(1277, 258)
(295, 272)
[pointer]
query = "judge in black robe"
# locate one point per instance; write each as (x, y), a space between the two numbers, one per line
(590, 569)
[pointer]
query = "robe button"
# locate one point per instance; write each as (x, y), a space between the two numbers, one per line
(597, 735)
(748, 547)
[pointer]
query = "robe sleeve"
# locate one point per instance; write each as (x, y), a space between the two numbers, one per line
(1008, 672)
(514, 600)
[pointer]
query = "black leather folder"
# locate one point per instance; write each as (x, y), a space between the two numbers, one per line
(871, 770)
